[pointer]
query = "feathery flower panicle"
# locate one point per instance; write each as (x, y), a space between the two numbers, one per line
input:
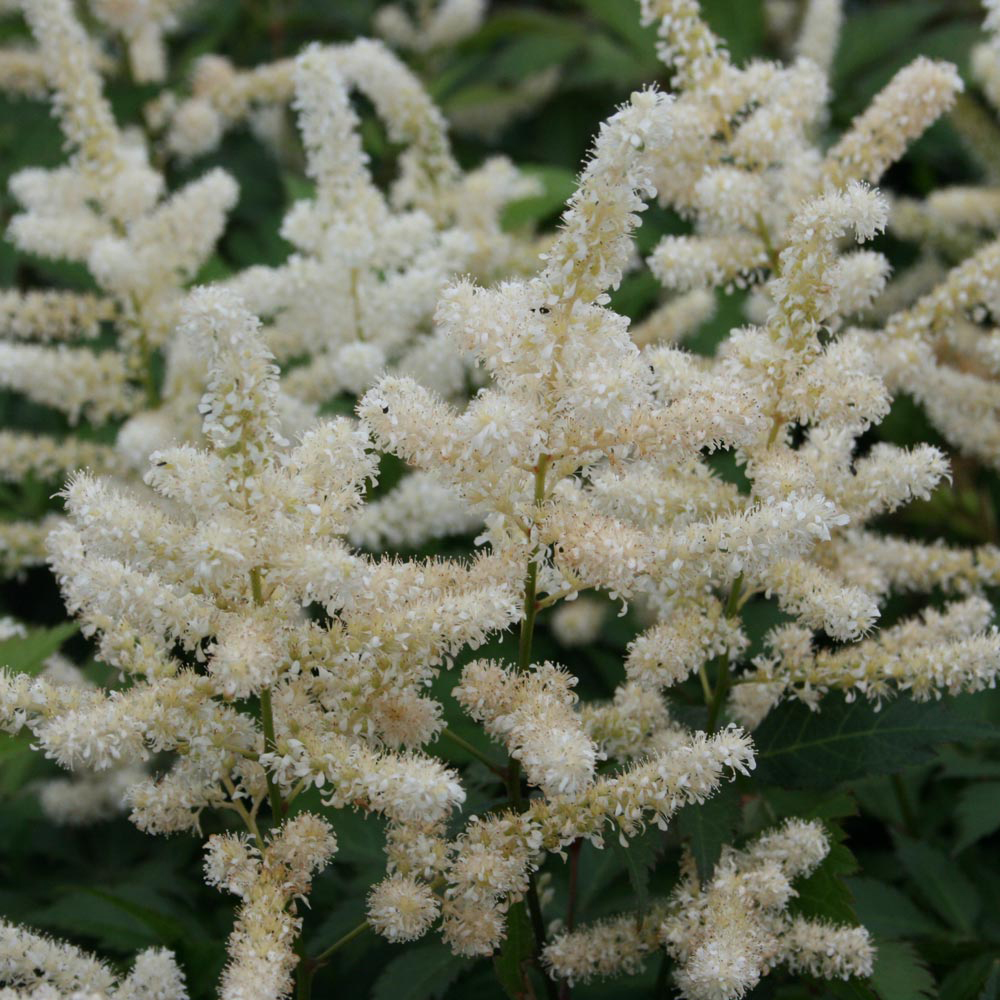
(495, 856)
(196, 599)
(435, 26)
(265, 645)
(915, 97)
(819, 32)
(532, 712)
(728, 932)
(143, 25)
(952, 651)
(105, 208)
(34, 965)
(269, 881)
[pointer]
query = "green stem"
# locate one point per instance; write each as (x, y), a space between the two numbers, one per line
(450, 734)
(248, 820)
(660, 987)
(531, 579)
(514, 765)
(255, 586)
(304, 975)
(530, 613)
(308, 967)
(270, 745)
(724, 678)
(765, 237)
(733, 602)
(267, 715)
(324, 956)
(706, 685)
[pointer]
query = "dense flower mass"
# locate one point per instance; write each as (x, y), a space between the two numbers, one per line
(267, 635)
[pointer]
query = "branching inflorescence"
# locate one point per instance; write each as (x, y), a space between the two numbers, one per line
(264, 647)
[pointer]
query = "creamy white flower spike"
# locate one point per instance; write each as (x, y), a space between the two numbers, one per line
(38, 966)
(726, 933)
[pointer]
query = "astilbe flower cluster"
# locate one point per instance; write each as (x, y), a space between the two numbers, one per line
(262, 653)
(357, 293)
(107, 209)
(725, 933)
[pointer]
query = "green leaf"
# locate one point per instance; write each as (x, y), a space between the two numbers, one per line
(165, 927)
(530, 54)
(27, 655)
(360, 838)
(709, 826)
(638, 858)
(18, 762)
(421, 973)
(940, 881)
(955, 764)
(825, 894)
(900, 974)
(977, 813)
(623, 19)
(968, 980)
(117, 924)
(887, 912)
(799, 748)
(341, 919)
(606, 62)
(298, 188)
(869, 36)
(599, 873)
(511, 964)
(991, 988)
(847, 989)
(557, 184)
(809, 804)
(740, 25)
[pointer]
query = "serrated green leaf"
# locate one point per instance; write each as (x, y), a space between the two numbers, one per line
(825, 894)
(27, 655)
(977, 813)
(809, 804)
(638, 859)
(955, 764)
(421, 973)
(799, 748)
(99, 916)
(709, 826)
(968, 980)
(164, 926)
(887, 912)
(599, 870)
(991, 988)
(849, 989)
(511, 964)
(940, 881)
(900, 974)
(360, 838)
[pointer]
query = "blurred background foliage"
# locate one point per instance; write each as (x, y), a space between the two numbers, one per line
(916, 816)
